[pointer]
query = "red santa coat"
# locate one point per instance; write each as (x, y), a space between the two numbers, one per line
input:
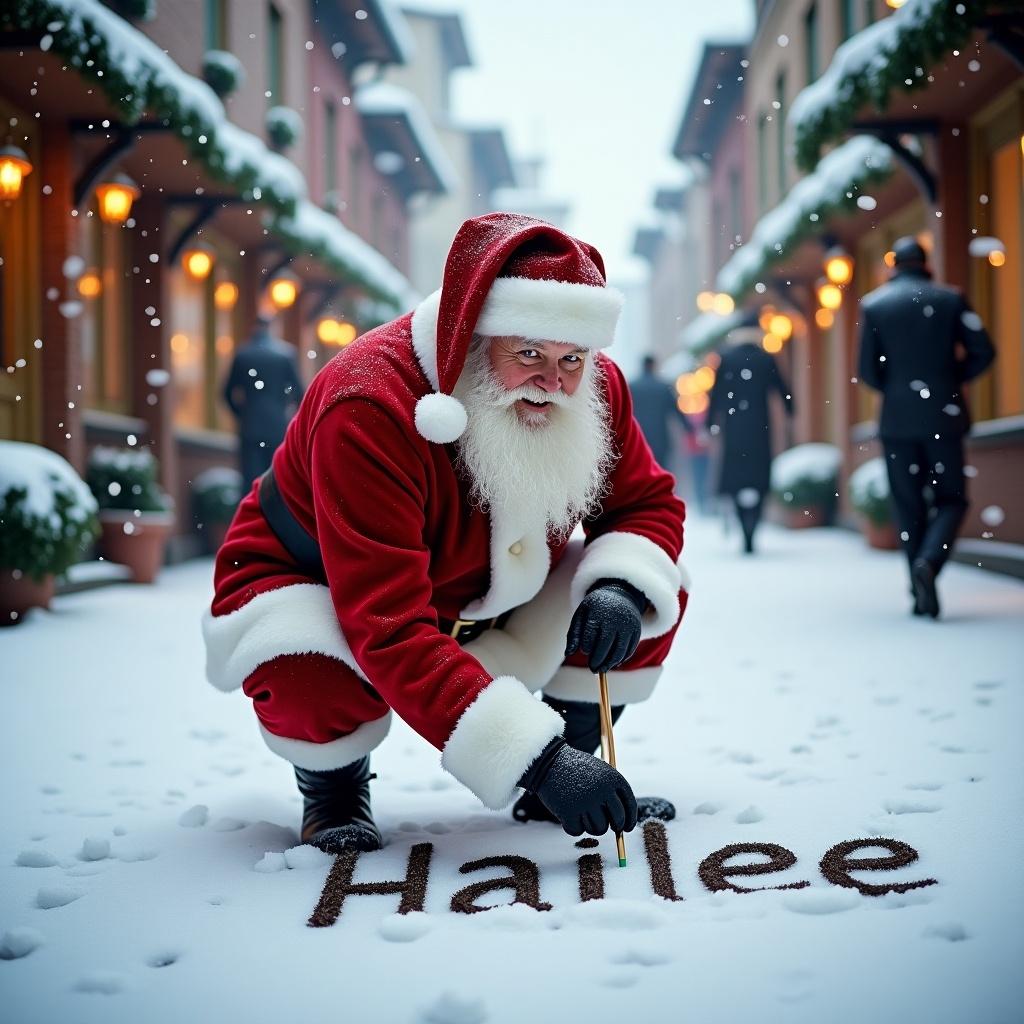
(402, 545)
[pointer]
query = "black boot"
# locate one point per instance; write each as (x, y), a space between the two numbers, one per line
(583, 731)
(926, 597)
(336, 813)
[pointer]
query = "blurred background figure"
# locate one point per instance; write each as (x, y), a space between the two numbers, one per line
(919, 343)
(263, 390)
(738, 415)
(654, 405)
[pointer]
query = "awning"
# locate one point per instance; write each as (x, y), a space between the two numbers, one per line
(894, 53)
(836, 185)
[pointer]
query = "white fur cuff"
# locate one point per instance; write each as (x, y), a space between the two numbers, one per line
(576, 314)
(624, 687)
(325, 757)
(640, 562)
(497, 738)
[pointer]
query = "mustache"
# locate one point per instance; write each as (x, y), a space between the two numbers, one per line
(506, 397)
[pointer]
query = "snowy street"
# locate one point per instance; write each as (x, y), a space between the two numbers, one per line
(147, 837)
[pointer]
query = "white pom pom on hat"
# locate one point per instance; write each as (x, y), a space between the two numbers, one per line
(440, 418)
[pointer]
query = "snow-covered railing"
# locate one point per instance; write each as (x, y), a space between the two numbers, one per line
(836, 184)
(384, 99)
(894, 53)
(317, 233)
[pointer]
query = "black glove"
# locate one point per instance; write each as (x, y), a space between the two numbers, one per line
(581, 791)
(606, 625)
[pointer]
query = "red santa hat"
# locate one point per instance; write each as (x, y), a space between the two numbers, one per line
(506, 274)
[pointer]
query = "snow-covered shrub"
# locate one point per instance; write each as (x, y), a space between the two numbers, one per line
(216, 493)
(223, 72)
(136, 10)
(284, 127)
(869, 492)
(47, 514)
(126, 478)
(806, 475)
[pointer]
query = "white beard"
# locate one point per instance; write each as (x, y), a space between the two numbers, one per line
(555, 466)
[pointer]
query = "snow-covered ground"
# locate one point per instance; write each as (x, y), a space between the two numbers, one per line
(802, 707)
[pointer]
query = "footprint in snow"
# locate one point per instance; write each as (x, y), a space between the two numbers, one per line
(100, 983)
(640, 957)
(19, 942)
(768, 775)
(801, 748)
(951, 931)
(928, 787)
(404, 927)
(228, 825)
(94, 849)
(438, 828)
(708, 807)
(983, 702)
(49, 790)
(742, 757)
(163, 958)
(454, 1008)
(988, 685)
(195, 817)
(909, 807)
(408, 826)
(620, 979)
(35, 859)
(132, 856)
(55, 896)
(816, 902)
(750, 816)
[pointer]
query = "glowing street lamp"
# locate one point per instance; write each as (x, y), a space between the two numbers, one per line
(327, 330)
(225, 295)
(15, 166)
(771, 343)
(996, 258)
(283, 290)
(723, 304)
(705, 301)
(781, 326)
(889, 259)
(346, 334)
(839, 266)
(830, 296)
(115, 198)
(824, 318)
(198, 262)
(90, 285)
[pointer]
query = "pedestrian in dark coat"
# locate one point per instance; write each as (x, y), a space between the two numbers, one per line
(263, 390)
(738, 413)
(919, 343)
(654, 404)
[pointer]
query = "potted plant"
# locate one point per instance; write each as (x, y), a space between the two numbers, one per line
(804, 481)
(47, 519)
(215, 495)
(135, 516)
(869, 495)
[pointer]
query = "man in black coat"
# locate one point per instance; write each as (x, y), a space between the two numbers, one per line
(263, 390)
(654, 404)
(738, 413)
(919, 343)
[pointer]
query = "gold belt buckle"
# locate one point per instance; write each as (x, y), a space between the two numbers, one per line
(457, 628)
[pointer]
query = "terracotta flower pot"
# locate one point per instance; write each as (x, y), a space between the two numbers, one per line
(798, 518)
(135, 541)
(880, 535)
(19, 592)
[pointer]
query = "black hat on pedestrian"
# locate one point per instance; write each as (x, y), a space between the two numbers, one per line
(908, 251)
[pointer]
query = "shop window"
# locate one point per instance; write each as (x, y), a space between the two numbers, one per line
(189, 348)
(869, 12)
(811, 42)
(216, 24)
(275, 56)
(846, 19)
(780, 132)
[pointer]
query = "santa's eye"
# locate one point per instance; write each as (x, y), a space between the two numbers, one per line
(529, 353)
(574, 359)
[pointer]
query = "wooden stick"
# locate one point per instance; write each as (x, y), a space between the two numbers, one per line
(608, 749)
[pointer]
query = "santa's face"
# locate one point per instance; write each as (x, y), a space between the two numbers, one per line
(539, 371)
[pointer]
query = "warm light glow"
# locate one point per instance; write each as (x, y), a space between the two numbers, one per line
(723, 304)
(14, 167)
(225, 295)
(224, 344)
(895, 4)
(115, 198)
(771, 343)
(765, 317)
(90, 285)
(198, 263)
(346, 334)
(781, 326)
(283, 292)
(997, 258)
(889, 259)
(327, 330)
(824, 318)
(179, 343)
(705, 301)
(830, 296)
(693, 405)
(705, 378)
(839, 267)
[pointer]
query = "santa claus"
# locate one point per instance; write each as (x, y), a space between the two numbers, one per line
(412, 549)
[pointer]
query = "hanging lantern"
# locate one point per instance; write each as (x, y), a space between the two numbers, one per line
(198, 262)
(225, 295)
(889, 259)
(90, 285)
(781, 326)
(824, 318)
(327, 330)
(830, 296)
(771, 343)
(115, 197)
(15, 166)
(283, 291)
(723, 304)
(705, 301)
(839, 266)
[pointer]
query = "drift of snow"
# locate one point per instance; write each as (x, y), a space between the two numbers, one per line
(814, 461)
(43, 473)
(869, 481)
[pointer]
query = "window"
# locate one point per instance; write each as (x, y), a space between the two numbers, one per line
(735, 205)
(811, 41)
(216, 25)
(869, 12)
(275, 56)
(780, 131)
(846, 24)
(762, 163)
(330, 147)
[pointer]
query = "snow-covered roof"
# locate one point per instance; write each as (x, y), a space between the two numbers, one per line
(321, 235)
(394, 24)
(385, 99)
(707, 330)
(836, 184)
(894, 52)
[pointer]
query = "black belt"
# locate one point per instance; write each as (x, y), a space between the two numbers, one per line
(302, 547)
(464, 630)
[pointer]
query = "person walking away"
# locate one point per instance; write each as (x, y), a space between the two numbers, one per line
(654, 405)
(263, 390)
(738, 414)
(920, 342)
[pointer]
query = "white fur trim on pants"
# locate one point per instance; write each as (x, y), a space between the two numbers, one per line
(324, 757)
(624, 686)
(497, 738)
(640, 562)
(576, 314)
(299, 619)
